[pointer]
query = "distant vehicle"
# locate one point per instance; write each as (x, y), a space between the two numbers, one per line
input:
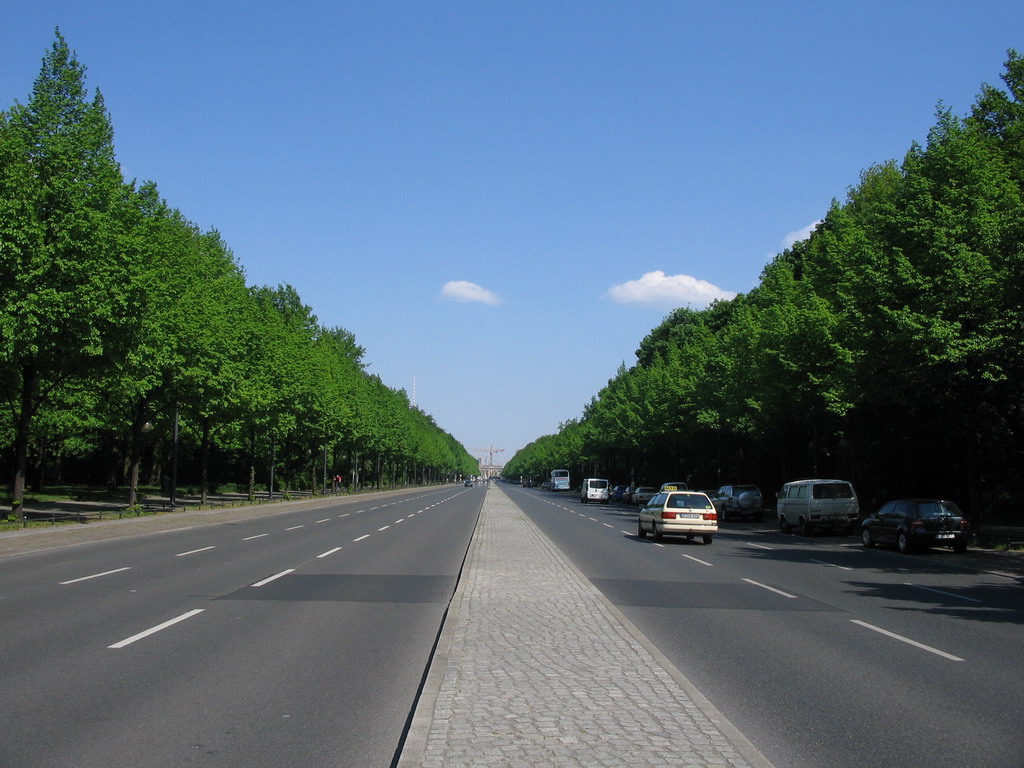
(593, 489)
(674, 485)
(913, 524)
(678, 513)
(738, 501)
(616, 493)
(560, 480)
(546, 485)
(808, 505)
(627, 495)
(643, 494)
(468, 483)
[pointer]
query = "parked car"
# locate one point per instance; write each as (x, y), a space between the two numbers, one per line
(593, 489)
(738, 501)
(808, 505)
(616, 493)
(913, 524)
(627, 495)
(643, 494)
(678, 513)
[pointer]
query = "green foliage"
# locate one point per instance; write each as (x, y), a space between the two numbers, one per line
(885, 347)
(117, 314)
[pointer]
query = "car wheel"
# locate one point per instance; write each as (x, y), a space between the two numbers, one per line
(655, 533)
(784, 526)
(708, 538)
(866, 539)
(804, 528)
(903, 542)
(640, 529)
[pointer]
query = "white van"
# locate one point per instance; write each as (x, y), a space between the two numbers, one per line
(810, 504)
(594, 489)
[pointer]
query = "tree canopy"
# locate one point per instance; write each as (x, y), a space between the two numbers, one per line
(885, 348)
(122, 324)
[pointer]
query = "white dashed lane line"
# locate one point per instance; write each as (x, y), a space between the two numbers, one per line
(194, 551)
(157, 628)
(906, 640)
(273, 578)
(770, 589)
(257, 536)
(95, 575)
(698, 560)
(329, 552)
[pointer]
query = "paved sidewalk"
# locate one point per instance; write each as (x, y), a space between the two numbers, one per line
(535, 667)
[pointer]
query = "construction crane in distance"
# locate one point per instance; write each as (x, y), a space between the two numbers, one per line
(490, 454)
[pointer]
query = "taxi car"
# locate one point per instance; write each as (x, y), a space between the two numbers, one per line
(678, 513)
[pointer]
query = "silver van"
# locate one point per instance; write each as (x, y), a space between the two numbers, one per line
(593, 489)
(807, 505)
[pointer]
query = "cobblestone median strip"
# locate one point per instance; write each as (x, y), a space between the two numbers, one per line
(535, 668)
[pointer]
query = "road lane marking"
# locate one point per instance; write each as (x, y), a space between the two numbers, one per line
(698, 560)
(295, 527)
(193, 551)
(832, 565)
(345, 515)
(907, 640)
(770, 589)
(96, 575)
(273, 578)
(157, 628)
(329, 552)
(364, 536)
(608, 525)
(322, 521)
(257, 536)
(947, 594)
(384, 528)
(759, 546)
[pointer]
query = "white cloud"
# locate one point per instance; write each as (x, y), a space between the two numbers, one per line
(800, 234)
(661, 290)
(463, 290)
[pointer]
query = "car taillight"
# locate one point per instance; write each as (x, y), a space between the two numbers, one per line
(668, 515)
(710, 515)
(917, 524)
(963, 523)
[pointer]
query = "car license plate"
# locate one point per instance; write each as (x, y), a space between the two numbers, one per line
(946, 536)
(688, 515)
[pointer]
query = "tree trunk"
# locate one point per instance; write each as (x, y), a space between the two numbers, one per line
(24, 420)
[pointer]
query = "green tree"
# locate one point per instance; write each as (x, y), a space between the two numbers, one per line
(65, 294)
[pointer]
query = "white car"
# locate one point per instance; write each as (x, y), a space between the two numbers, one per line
(678, 513)
(594, 489)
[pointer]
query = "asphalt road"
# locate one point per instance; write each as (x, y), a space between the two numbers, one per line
(292, 639)
(821, 652)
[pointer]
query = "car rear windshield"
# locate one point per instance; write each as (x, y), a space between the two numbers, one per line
(688, 501)
(938, 509)
(832, 491)
(598, 483)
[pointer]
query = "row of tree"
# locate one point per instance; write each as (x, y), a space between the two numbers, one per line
(887, 348)
(126, 334)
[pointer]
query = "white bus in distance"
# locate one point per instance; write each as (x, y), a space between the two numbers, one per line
(559, 479)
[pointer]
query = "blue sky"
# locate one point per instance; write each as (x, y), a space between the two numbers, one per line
(501, 199)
